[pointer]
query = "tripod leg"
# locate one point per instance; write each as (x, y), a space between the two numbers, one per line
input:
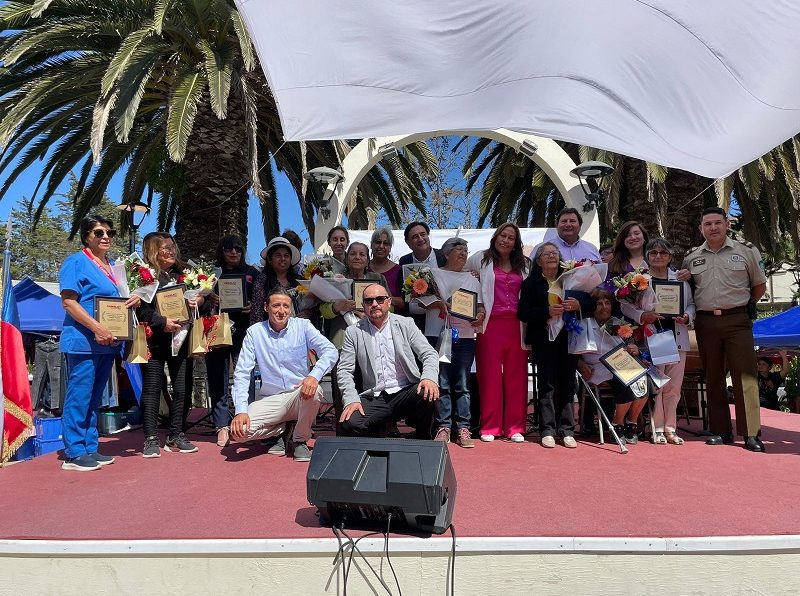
(622, 448)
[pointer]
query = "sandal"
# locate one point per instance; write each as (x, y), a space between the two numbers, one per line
(673, 439)
(659, 438)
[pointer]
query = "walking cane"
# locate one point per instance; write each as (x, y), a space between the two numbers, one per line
(602, 414)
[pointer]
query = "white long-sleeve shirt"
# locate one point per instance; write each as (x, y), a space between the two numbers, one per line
(282, 359)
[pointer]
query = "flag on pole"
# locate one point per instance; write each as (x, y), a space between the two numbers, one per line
(17, 420)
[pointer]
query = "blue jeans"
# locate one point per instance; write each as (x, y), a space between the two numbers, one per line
(453, 404)
(87, 377)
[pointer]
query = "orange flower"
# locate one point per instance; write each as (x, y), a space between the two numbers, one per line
(625, 331)
(420, 286)
(640, 282)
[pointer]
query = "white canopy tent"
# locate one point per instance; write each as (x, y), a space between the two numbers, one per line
(702, 86)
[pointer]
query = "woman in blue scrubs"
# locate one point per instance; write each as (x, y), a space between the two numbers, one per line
(90, 348)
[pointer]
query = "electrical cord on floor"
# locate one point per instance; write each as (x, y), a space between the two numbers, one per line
(452, 529)
(388, 558)
(353, 545)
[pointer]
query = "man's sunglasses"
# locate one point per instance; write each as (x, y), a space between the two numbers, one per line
(378, 299)
(233, 249)
(99, 233)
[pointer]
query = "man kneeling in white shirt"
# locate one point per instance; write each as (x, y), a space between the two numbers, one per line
(289, 392)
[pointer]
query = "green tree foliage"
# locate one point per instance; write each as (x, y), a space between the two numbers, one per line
(170, 93)
(38, 248)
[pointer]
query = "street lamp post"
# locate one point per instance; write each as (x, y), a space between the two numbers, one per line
(131, 209)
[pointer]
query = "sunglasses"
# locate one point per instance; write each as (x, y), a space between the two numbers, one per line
(233, 249)
(99, 233)
(659, 253)
(378, 299)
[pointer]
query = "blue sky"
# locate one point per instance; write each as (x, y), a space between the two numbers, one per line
(289, 209)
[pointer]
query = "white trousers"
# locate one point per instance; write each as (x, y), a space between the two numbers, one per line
(666, 406)
(270, 413)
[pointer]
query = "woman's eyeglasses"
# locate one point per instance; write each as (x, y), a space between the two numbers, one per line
(233, 249)
(378, 299)
(550, 253)
(100, 233)
(168, 249)
(660, 253)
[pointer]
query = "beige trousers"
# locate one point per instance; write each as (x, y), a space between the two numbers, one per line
(269, 414)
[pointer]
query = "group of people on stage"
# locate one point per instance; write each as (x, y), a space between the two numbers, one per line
(384, 365)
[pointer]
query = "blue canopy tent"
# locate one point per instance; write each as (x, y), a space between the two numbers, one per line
(780, 331)
(41, 312)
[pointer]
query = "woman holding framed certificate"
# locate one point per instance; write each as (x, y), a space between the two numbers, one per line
(166, 315)
(461, 306)
(90, 346)
(611, 339)
(555, 366)
(234, 292)
(674, 310)
(356, 261)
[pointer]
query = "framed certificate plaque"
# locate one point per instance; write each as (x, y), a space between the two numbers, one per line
(669, 297)
(171, 304)
(232, 292)
(112, 314)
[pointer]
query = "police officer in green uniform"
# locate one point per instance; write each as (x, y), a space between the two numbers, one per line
(727, 278)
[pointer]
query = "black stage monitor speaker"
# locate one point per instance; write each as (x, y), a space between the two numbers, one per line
(358, 482)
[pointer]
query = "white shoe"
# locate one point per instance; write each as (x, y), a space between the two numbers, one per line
(487, 438)
(570, 442)
(516, 438)
(549, 441)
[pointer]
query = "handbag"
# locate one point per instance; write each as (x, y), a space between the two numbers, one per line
(583, 341)
(445, 343)
(221, 333)
(662, 347)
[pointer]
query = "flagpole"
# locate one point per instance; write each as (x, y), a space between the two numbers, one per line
(6, 265)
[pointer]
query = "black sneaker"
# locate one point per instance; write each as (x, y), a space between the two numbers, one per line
(151, 447)
(179, 444)
(103, 460)
(631, 436)
(301, 452)
(278, 447)
(83, 463)
(620, 430)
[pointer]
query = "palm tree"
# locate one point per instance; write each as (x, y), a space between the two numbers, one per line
(767, 192)
(170, 93)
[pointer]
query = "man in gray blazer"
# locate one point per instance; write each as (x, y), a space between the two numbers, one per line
(384, 348)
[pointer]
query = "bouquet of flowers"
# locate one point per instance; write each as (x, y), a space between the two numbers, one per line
(331, 289)
(580, 276)
(631, 285)
(199, 280)
(318, 265)
(418, 283)
(571, 264)
(625, 331)
(139, 278)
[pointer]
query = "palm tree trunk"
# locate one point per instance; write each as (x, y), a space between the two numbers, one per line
(685, 204)
(635, 199)
(217, 175)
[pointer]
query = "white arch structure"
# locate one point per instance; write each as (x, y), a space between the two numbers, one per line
(547, 154)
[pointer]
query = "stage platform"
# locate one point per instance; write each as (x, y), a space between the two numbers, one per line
(590, 520)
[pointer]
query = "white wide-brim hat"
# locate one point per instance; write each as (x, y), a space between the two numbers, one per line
(281, 241)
